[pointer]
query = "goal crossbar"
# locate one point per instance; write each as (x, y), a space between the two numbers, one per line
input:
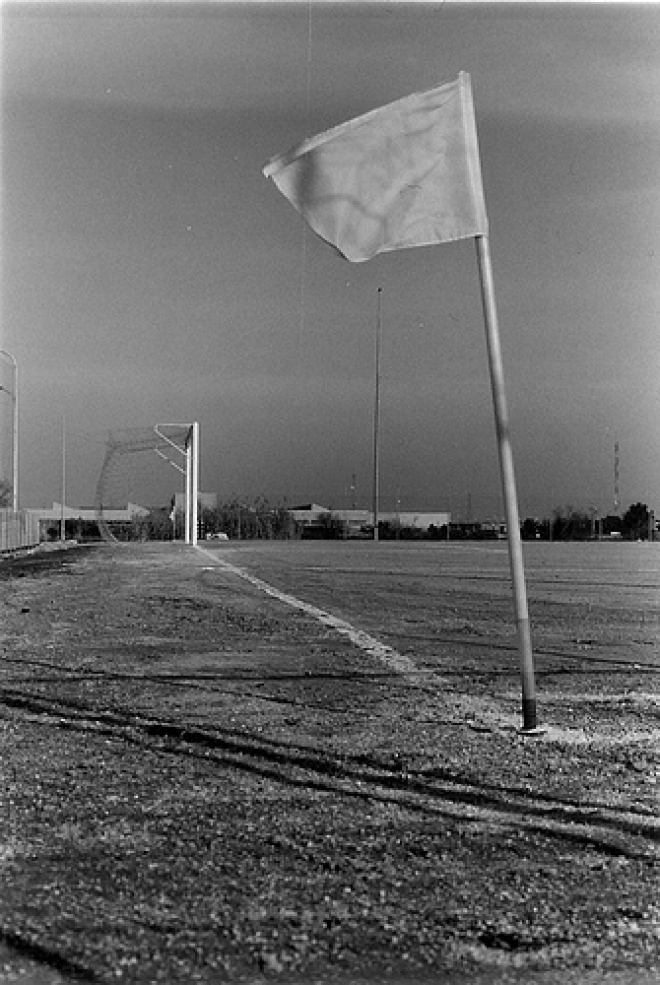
(184, 438)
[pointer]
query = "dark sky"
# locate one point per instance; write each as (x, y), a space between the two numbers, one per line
(151, 274)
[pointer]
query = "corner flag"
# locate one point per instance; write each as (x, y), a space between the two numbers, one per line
(407, 174)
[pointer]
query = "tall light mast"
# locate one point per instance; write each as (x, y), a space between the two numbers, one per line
(617, 501)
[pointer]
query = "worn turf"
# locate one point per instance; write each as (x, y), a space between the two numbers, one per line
(207, 783)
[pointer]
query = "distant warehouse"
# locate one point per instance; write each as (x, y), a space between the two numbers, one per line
(315, 521)
(82, 522)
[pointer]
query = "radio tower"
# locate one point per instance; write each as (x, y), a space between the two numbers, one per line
(617, 501)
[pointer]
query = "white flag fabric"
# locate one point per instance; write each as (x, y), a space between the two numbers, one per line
(407, 174)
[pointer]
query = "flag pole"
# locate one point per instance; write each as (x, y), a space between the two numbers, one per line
(377, 418)
(508, 484)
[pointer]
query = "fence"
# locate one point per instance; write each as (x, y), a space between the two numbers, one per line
(18, 530)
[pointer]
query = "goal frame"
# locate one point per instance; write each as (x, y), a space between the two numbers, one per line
(155, 439)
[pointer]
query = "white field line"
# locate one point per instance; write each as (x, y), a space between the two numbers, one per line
(462, 708)
(375, 648)
(471, 709)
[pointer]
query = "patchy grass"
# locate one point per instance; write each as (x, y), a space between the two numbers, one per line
(203, 785)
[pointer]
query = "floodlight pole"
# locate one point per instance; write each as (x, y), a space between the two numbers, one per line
(508, 483)
(63, 512)
(14, 397)
(15, 490)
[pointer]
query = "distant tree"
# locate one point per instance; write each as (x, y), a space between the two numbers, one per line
(284, 524)
(389, 530)
(256, 520)
(332, 527)
(159, 524)
(6, 494)
(571, 524)
(611, 525)
(557, 525)
(635, 522)
(531, 529)
(207, 521)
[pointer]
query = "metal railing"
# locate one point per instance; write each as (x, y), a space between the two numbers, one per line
(18, 530)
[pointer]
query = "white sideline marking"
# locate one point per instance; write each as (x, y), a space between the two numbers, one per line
(470, 710)
(372, 646)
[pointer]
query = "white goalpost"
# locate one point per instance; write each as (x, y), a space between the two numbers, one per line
(192, 483)
(160, 438)
(190, 451)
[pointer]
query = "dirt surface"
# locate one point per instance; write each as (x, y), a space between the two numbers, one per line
(303, 763)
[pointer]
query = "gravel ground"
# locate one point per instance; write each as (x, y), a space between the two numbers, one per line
(203, 783)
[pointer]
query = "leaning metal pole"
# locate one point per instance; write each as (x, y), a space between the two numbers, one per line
(376, 476)
(508, 483)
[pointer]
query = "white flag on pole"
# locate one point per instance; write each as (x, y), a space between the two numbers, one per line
(407, 174)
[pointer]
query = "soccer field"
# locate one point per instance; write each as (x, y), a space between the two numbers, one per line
(594, 600)
(303, 762)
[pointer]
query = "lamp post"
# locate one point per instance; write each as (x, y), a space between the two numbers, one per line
(63, 512)
(14, 397)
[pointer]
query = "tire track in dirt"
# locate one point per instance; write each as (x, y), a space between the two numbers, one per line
(609, 830)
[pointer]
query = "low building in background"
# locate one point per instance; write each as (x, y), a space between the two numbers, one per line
(81, 522)
(477, 530)
(320, 522)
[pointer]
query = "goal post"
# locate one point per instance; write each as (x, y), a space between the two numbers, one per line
(159, 438)
(192, 484)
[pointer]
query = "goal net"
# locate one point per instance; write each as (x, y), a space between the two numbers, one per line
(131, 450)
